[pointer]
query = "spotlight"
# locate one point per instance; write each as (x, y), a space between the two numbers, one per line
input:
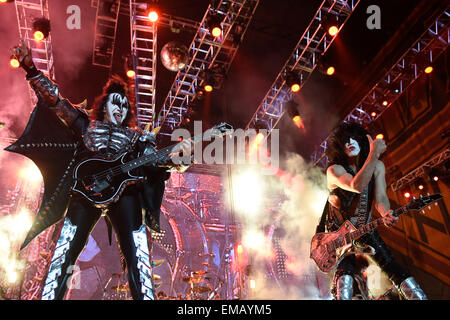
(152, 12)
(291, 109)
(131, 73)
(209, 83)
(330, 70)
(420, 184)
(325, 66)
(428, 69)
(213, 24)
(333, 30)
(293, 81)
(379, 136)
(208, 88)
(385, 103)
(330, 23)
(128, 66)
(14, 62)
(406, 193)
(373, 114)
(434, 174)
(41, 28)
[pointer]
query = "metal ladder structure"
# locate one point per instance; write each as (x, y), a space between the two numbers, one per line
(105, 31)
(143, 54)
(313, 43)
(206, 52)
(27, 11)
(430, 45)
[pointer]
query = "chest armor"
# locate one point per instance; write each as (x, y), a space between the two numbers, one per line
(108, 139)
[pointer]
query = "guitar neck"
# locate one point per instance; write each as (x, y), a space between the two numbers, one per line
(157, 156)
(371, 226)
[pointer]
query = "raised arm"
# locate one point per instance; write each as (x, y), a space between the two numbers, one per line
(48, 91)
(337, 176)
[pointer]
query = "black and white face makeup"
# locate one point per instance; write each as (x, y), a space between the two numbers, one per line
(116, 108)
(352, 148)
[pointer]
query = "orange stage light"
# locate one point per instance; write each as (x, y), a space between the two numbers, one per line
(216, 32)
(153, 16)
(330, 71)
(131, 73)
(385, 103)
(407, 195)
(38, 35)
(14, 63)
(380, 136)
(429, 69)
(208, 88)
(421, 187)
(295, 87)
(373, 114)
(333, 30)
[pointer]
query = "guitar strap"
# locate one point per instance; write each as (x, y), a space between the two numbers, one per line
(361, 211)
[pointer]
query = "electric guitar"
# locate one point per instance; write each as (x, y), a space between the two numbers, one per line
(102, 181)
(328, 249)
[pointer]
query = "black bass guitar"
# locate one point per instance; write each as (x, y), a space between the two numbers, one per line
(328, 249)
(102, 181)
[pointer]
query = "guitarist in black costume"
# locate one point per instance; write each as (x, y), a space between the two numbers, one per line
(354, 173)
(106, 133)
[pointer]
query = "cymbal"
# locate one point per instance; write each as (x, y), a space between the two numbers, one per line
(122, 287)
(201, 289)
(192, 279)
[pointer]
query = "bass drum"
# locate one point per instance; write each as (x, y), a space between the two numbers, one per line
(182, 245)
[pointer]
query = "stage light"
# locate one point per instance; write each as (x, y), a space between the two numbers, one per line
(41, 29)
(208, 88)
(379, 136)
(247, 193)
(252, 284)
(373, 114)
(333, 30)
(292, 80)
(436, 178)
(407, 194)
(384, 103)
(14, 62)
(131, 73)
(153, 16)
(429, 69)
(213, 24)
(420, 187)
(239, 249)
(3, 1)
(330, 70)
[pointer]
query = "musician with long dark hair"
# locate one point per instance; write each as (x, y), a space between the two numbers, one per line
(356, 180)
(107, 132)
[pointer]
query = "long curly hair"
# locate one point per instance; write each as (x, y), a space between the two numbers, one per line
(341, 135)
(115, 84)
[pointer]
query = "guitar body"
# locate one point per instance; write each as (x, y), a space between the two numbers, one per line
(102, 181)
(324, 253)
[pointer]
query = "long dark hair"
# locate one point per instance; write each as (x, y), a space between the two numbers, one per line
(115, 84)
(336, 144)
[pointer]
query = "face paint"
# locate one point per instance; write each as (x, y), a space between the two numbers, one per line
(116, 108)
(352, 148)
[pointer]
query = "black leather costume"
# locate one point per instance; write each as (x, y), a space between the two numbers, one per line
(57, 135)
(334, 217)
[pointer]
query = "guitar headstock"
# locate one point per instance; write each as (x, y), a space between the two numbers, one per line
(419, 203)
(221, 129)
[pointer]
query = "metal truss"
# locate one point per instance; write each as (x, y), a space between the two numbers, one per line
(431, 44)
(313, 43)
(421, 171)
(27, 11)
(143, 55)
(105, 31)
(206, 52)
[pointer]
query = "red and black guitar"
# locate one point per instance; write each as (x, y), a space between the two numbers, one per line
(102, 181)
(328, 249)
